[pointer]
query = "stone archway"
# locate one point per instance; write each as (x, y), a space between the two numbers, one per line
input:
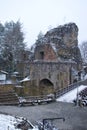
(46, 87)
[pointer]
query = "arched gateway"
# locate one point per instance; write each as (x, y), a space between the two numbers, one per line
(46, 87)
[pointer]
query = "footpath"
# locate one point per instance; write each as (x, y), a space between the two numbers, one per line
(75, 116)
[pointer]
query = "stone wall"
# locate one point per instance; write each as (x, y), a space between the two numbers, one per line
(57, 74)
(45, 52)
(6, 87)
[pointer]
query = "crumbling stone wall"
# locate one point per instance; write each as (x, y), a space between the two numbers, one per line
(45, 52)
(58, 73)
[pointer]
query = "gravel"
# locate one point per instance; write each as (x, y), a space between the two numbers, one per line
(75, 116)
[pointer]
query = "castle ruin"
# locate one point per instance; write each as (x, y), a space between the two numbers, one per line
(56, 60)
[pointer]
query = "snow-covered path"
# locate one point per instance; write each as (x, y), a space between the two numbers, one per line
(70, 96)
(7, 122)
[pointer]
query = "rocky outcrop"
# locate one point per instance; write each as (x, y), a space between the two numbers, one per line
(64, 40)
(64, 35)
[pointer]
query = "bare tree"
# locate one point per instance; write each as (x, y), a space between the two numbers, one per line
(83, 48)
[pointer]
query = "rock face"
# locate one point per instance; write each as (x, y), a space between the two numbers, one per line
(64, 40)
(64, 35)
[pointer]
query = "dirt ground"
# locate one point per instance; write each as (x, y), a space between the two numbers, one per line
(75, 116)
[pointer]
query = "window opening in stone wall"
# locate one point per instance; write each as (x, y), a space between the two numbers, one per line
(42, 55)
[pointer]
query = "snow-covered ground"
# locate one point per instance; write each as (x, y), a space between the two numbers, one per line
(8, 122)
(70, 96)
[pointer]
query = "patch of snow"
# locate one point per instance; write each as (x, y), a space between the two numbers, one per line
(56, 36)
(54, 47)
(85, 77)
(3, 72)
(70, 96)
(6, 82)
(15, 72)
(25, 79)
(8, 122)
(74, 72)
(21, 99)
(19, 86)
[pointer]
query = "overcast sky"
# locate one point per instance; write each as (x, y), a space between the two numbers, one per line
(41, 15)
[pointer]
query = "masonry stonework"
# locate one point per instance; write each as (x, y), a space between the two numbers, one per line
(45, 52)
(57, 60)
(52, 75)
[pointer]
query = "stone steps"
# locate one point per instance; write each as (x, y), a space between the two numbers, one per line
(8, 98)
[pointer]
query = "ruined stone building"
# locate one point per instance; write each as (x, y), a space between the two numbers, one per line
(56, 60)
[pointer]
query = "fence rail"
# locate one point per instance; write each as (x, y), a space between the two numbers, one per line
(69, 88)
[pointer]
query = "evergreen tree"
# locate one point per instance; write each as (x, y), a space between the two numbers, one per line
(13, 44)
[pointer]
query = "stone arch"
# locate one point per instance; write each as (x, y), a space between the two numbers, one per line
(46, 87)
